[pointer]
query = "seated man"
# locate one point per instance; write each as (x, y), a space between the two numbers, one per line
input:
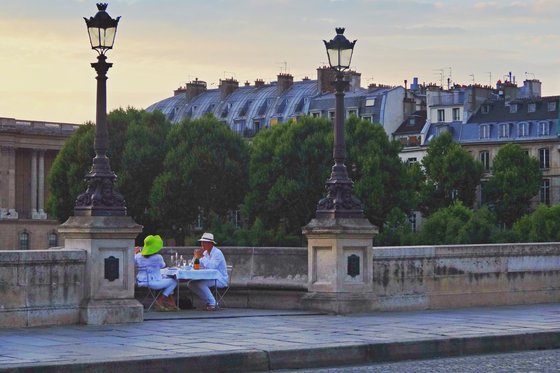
(212, 258)
(149, 263)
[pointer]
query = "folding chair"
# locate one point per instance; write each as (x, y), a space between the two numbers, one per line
(221, 292)
(152, 294)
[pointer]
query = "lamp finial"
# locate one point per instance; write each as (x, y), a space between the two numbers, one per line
(340, 30)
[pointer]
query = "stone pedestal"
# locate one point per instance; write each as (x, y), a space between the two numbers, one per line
(340, 265)
(109, 278)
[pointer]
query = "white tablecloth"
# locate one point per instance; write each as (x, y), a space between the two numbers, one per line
(192, 274)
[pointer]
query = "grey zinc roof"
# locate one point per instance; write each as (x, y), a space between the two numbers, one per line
(499, 114)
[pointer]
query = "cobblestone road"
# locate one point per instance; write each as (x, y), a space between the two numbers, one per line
(531, 361)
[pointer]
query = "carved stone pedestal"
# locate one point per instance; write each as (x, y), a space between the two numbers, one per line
(109, 279)
(340, 265)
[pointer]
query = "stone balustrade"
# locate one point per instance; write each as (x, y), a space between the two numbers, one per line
(46, 286)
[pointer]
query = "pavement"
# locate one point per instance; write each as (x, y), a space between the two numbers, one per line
(249, 340)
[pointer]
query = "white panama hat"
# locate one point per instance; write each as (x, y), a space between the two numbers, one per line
(207, 237)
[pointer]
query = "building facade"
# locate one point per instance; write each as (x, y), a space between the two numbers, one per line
(27, 151)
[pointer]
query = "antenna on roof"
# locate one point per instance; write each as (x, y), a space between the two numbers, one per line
(526, 73)
(440, 73)
(472, 78)
(284, 69)
(490, 77)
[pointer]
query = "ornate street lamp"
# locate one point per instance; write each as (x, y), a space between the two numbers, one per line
(100, 198)
(339, 203)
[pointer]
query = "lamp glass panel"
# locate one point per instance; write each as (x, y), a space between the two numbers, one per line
(94, 37)
(333, 57)
(345, 57)
(109, 37)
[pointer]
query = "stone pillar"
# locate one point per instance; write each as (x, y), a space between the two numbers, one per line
(34, 184)
(340, 265)
(41, 187)
(109, 280)
(10, 212)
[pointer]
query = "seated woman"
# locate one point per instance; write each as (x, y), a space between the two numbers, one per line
(212, 258)
(149, 264)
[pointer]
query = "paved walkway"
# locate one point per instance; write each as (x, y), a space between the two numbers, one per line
(242, 340)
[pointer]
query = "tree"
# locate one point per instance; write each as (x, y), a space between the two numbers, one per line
(514, 182)
(452, 174)
(289, 165)
(134, 150)
(66, 177)
(543, 225)
(382, 181)
(205, 172)
(142, 161)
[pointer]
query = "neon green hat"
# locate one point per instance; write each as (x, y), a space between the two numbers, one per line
(152, 244)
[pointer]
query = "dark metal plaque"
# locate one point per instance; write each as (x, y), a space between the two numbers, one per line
(353, 265)
(111, 268)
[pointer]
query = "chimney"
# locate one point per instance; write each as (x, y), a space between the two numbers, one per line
(195, 88)
(227, 86)
(326, 76)
(179, 91)
(247, 83)
(531, 88)
(259, 83)
(285, 81)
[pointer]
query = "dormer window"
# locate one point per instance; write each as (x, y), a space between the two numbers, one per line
(485, 109)
(552, 106)
(484, 131)
(513, 108)
(504, 130)
(370, 101)
(523, 129)
(544, 128)
(532, 107)
(441, 115)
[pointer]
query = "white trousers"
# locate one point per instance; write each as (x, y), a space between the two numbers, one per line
(168, 284)
(202, 289)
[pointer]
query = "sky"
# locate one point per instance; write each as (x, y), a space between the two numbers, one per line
(45, 71)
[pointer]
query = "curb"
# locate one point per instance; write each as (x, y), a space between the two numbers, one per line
(314, 357)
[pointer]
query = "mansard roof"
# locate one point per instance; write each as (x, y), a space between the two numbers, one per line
(413, 124)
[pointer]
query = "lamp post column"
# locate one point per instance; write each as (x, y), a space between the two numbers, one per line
(339, 239)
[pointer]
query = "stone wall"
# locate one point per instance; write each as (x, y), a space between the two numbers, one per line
(431, 277)
(41, 287)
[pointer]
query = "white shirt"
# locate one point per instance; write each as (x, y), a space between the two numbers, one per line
(149, 268)
(216, 260)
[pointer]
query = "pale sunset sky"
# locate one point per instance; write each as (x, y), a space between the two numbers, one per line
(45, 57)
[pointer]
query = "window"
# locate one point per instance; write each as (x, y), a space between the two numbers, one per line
(532, 107)
(523, 129)
(441, 115)
(485, 109)
(484, 131)
(352, 112)
(370, 101)
(367, 119)
(331, 115)
(52, 239)
(257, 126)
(544, 158)
(24, 241)
(552, 106)
(484, 157)
(513, 108)
(504, 130)
(456, 114)
(544, 128)
(412, 160)
(544, 192)
(412, 220)
(411, 121)
(316, 114)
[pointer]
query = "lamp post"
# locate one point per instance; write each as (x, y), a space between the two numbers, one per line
(339, 203)
(100, 198)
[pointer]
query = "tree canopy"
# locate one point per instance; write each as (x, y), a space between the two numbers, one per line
(514, 182)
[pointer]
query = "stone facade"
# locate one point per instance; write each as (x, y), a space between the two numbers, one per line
(27, 151)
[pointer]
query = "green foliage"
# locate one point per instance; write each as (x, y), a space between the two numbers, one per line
(396, 231)
(449, 169)
(543, 225)
(514, 182)
(382, 181)
(142, 161)
(205, 170)
(288, 168)
(66, 177)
